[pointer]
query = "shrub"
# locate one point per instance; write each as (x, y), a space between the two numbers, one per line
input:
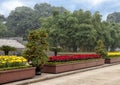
(56, 50)
(6, 49)
(35, 48)
(100, 49)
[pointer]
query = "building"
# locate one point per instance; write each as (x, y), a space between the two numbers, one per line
(13, 43)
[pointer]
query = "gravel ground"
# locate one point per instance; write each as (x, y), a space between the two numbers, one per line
(103, 76)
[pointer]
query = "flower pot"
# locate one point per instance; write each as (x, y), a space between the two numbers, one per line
(72, 66)
(107, 61)
(112, 60)
(16, 74)
(38, 71)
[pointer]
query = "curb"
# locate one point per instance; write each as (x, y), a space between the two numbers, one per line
(62, 74)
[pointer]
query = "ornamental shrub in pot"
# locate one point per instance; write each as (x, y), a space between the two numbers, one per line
(35, 49)
(101, 50)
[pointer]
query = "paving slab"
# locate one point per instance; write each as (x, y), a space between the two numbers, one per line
(102, 76)
(47, 76)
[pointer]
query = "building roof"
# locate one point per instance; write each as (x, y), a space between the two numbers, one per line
(12, 43)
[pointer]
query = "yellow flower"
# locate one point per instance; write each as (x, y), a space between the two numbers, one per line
(114, 54)
(12, 60)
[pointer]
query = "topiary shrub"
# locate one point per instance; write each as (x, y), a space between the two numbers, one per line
(6, 49)
(35, 49)
(100, 49)
(56, 50)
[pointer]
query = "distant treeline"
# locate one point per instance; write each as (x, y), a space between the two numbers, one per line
(73, 31)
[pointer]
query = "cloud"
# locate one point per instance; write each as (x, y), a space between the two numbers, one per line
(96, 2)
(90, 2)
(11, 5)
(8, 5)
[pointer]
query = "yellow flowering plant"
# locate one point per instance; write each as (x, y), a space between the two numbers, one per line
(113, 54)
(12, 61)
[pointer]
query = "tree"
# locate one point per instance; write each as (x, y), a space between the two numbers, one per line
(35, 49)
(114, 17)
(3, 27)
(2, 18)
(78, 30)
(86, 32)
(21, 20)
(115, 36)
(56, 50)
(100, 49)
(3, 30)
(6, 49)
(45, 10)
(102, 29)
(69, 30)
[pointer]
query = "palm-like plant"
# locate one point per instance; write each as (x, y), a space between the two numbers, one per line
(6, 49)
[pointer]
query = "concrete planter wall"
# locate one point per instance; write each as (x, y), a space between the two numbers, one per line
(16, 74)
(71, 67)
(112, 60)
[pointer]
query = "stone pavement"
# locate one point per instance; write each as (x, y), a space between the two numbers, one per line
(47, 76)
(104, 76)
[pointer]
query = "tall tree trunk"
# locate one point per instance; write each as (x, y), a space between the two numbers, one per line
(6, 52)
(75, 48)
(112, 48)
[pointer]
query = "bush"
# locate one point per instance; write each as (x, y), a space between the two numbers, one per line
(100, 49)
(56, 50)
(6, 49)
(35, 48)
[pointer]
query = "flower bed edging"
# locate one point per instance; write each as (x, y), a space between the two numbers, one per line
(112, 60)
(72, 66)
(16, 74)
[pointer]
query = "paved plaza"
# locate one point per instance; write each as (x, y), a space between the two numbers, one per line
(102, 76)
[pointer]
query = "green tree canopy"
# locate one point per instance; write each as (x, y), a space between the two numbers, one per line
(6, 49)
(35, 48)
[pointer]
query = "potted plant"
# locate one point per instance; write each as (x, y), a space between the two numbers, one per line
(6, 49)
(64, 63)
(35, 49)
(100, 49)
(56, 50)
(113, 57)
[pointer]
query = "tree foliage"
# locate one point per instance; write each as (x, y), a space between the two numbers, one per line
(73, 31)
(114, 17)
(35, 48)
(23, 19)
(6, 49)
(100, 49)
(77, 31)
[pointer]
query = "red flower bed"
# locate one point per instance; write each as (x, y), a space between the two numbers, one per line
(73, 57)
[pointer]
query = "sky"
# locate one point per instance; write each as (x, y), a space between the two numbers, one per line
(105, 7)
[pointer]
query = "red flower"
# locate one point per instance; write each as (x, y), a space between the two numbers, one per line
(73, 57)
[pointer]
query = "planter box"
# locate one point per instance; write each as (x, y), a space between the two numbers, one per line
(112, 60)
(16, 74)
(71, 67)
